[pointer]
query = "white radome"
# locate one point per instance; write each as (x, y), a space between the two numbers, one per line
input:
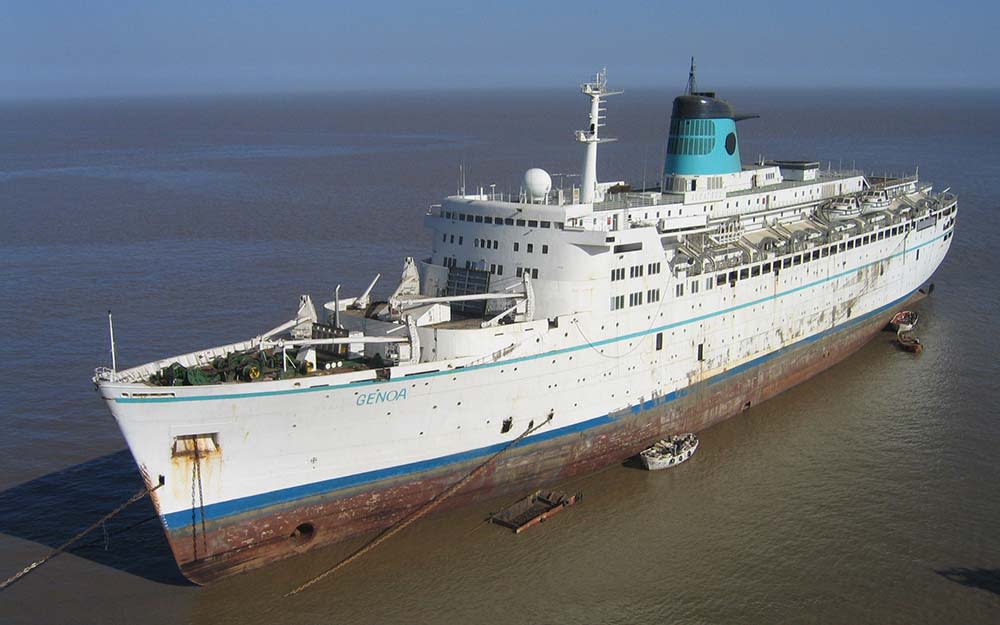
(537, 184)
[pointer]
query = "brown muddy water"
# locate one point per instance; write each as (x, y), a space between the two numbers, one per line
(866, 495)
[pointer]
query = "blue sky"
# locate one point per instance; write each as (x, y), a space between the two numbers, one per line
(96, 47)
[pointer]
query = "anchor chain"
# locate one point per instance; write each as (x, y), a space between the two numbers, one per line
(66, 545)
(430, 505)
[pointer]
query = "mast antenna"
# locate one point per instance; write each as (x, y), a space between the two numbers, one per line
(595, 90)
(691, 86)
(114, 358)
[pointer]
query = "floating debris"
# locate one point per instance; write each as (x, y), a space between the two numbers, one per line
(533, 509)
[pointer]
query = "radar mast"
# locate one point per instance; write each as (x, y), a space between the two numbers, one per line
(595, 90)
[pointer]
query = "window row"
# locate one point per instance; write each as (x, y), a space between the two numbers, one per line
(530, 247)
(635, 299)
(806, 257)
(503, 221)
(522, 271)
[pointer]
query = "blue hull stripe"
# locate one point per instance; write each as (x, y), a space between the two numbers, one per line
(176, 521)
(513, 361)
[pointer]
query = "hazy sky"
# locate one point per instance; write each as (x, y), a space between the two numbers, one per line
(98, 47)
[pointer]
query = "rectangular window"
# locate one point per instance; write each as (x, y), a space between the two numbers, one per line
(680, 290)
(766, 268)
(545, 249)
(755, 271)
(850, 244)
(452, 238)
(444, 237)
(708, 284)
(659, 341)
(460, 240)
(628, 247)
(520, 222)
(532, 223)
(797, 260)
(479, 219)
(499, 270)
(815, 254)
(518, 273)
(461, 216)
(694, 287)
(516, 246)
(841, 247)
(701, 352)
(825, 252)
(786, 263)
(744, 274)
(720, 279)
(488, 220)
(534, 274)
(545, 224)
(531, 248)
(509, 221)
(732, 277)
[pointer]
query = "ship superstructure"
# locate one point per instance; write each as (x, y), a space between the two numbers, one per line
(615, 317)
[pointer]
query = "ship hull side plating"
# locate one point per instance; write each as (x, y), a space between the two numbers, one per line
(245, 540)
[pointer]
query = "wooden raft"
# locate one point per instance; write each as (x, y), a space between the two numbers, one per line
(533, 509)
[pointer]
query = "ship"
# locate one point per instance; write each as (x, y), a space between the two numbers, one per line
(573, 327)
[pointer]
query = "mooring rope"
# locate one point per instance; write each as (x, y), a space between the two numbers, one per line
(412, 518)
(66, 545)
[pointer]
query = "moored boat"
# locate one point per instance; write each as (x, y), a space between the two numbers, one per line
(588, 319)
(669, 452)
(909, 342)
(904, 321)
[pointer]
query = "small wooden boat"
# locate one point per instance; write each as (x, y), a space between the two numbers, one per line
(669, 452)
(909, 342)
(904, 321)
(533, 509)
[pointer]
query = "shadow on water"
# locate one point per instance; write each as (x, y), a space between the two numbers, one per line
(984, 579)
(53, 508)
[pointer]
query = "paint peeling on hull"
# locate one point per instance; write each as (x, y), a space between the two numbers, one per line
(238, 543)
